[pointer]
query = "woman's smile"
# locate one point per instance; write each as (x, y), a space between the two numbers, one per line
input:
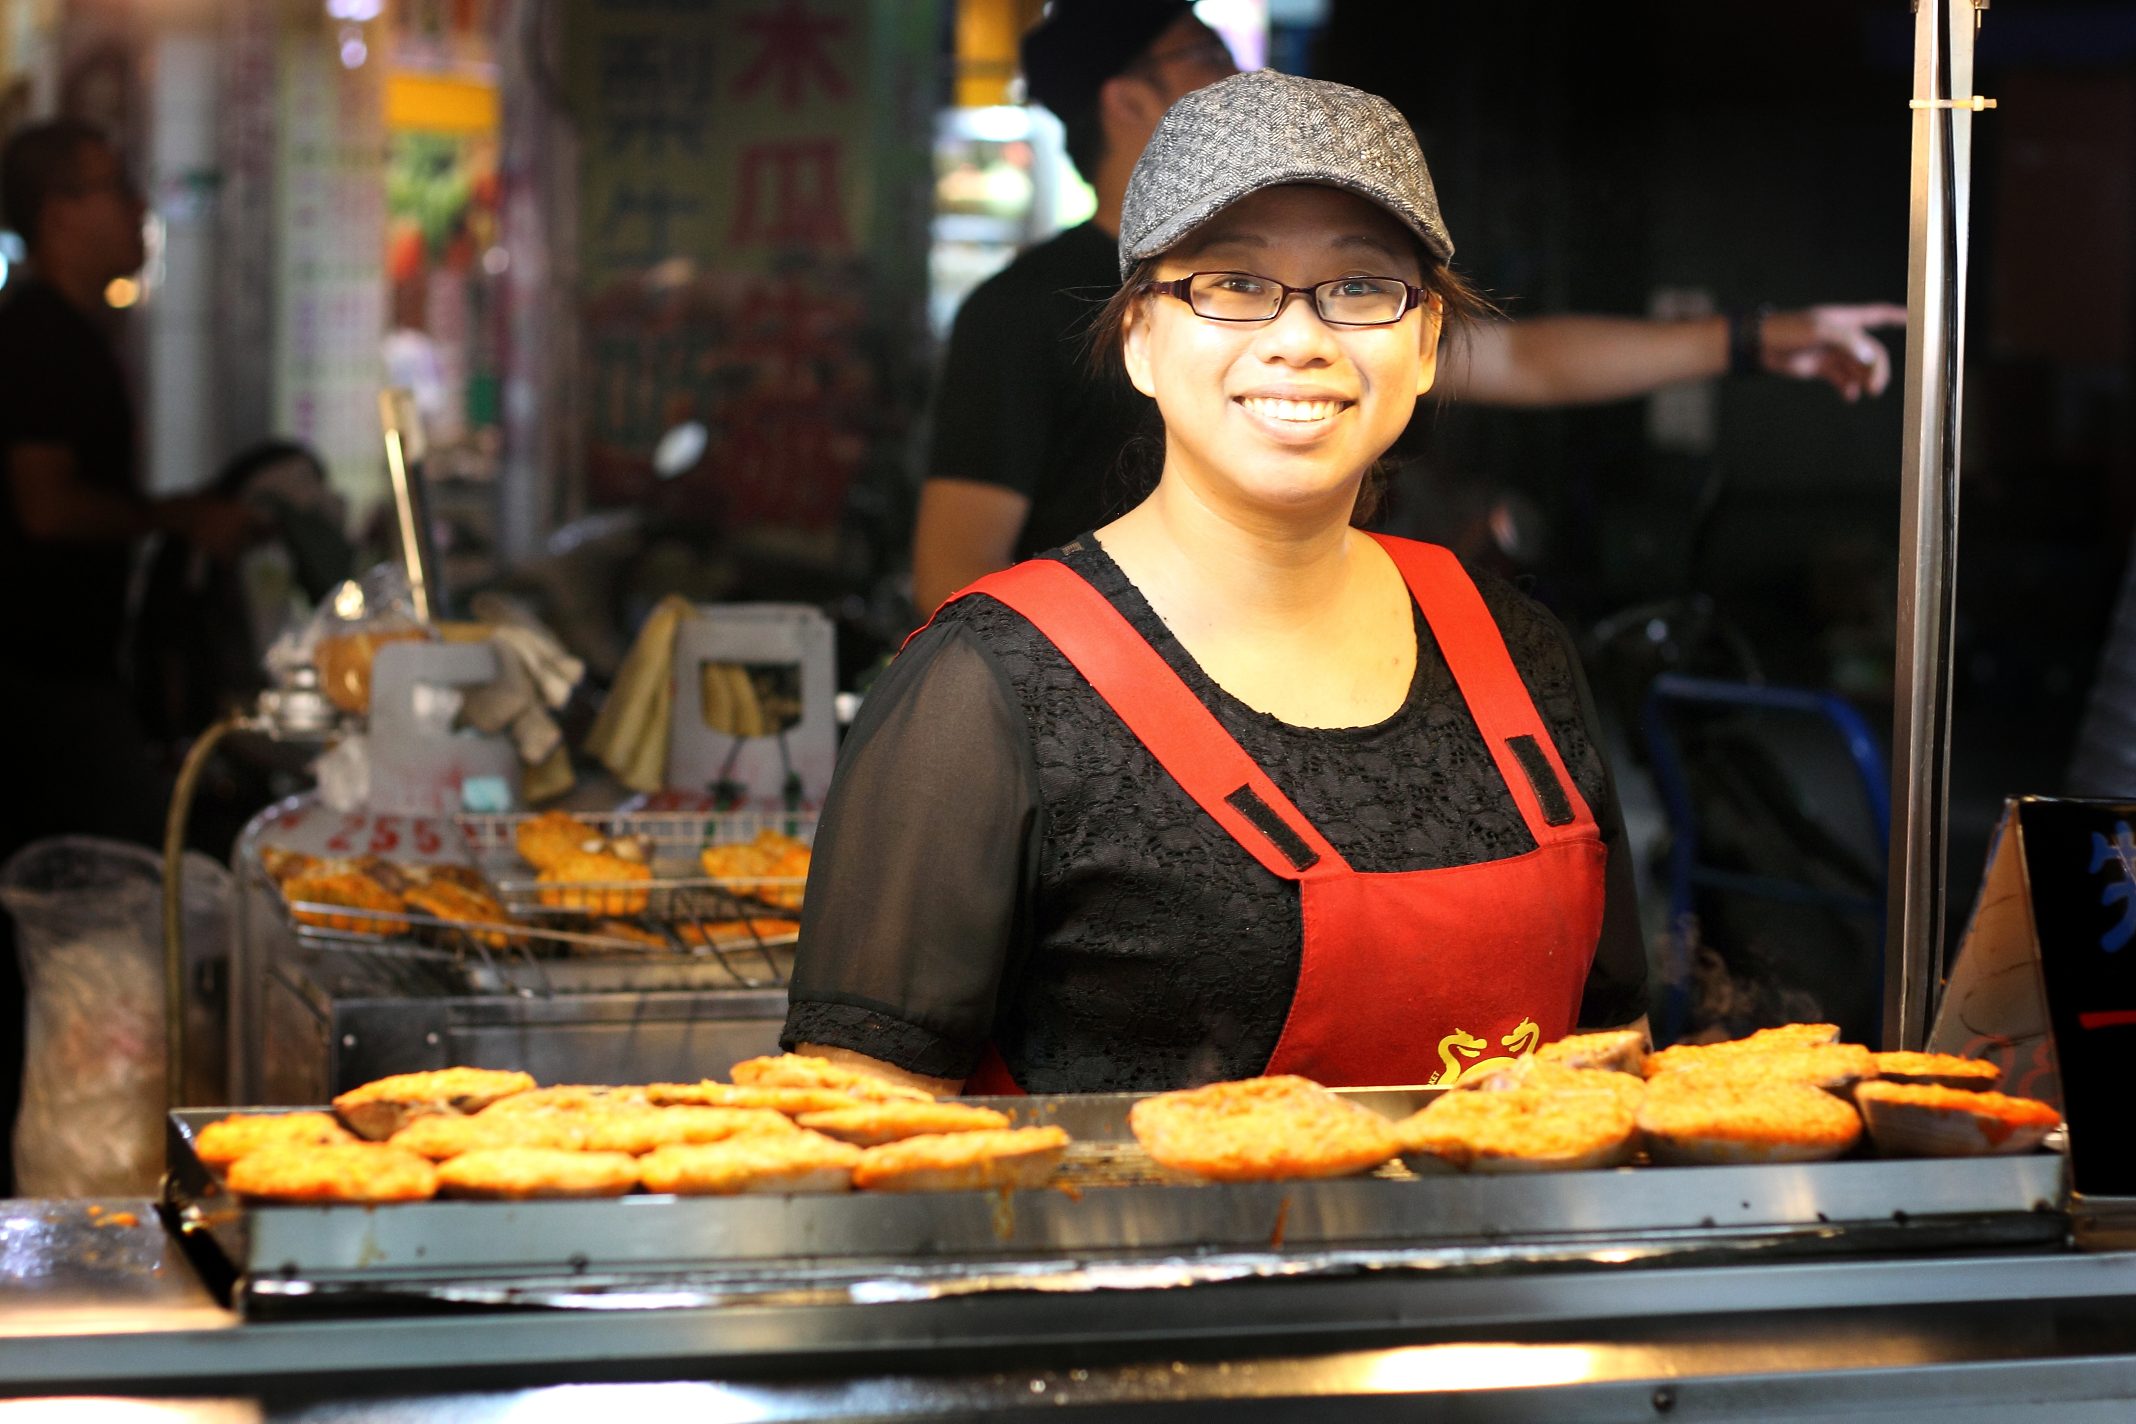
(1299, 418)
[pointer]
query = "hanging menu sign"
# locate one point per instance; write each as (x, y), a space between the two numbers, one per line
(2045, 982)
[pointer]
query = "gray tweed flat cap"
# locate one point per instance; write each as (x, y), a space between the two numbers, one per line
(1257, 130)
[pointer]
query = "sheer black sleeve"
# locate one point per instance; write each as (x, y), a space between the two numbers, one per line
(923, 861)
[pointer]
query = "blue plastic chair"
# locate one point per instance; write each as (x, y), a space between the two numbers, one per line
(1687, 874)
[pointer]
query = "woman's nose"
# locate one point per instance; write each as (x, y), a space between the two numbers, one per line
(1296, 332)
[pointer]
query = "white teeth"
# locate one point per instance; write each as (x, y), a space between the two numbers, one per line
(1298, 410)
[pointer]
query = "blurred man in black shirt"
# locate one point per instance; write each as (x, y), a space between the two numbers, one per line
(73, 510)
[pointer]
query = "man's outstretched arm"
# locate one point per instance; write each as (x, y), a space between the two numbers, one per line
(1587, 360)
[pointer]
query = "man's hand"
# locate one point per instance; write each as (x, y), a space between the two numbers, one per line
(1832, 344)
(219, 528)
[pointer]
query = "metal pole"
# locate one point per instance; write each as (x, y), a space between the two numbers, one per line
(404, 448)
(1943, 108)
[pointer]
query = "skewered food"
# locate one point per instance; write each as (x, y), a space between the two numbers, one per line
(221, 1143)
(335, 1172)
(1946, 1070)
(872, 1124)
(519, 1173)
(283, 865)
(798, 1070)
(342, 888)
(1526, 1129)
(379, 1109)
(1712, 1118)
(963, 1161)
(596, 882)
(1620, 1050)
(454, 903)
(769, 857)
(552, 837)
(729, 934)
(1925, 1120)
(1262, 1129)
(795, 1161)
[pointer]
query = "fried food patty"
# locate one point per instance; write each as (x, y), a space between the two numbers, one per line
(729, 1095)
(640, 1130)
(1620, 1050)
(383, 1107)
(1526, 1129)
(963, 1161)
(568, 1098)
(221, 1143)
(1941, 1069)
(873, 1124)
(519, 1173)
(797, 1070)
(1928, 1120)
(337, 1172)
(445, 1137)
(1704, 1118)
(1557, 1078)
(755, 1162)
(1262, 1129)
(1836, 1067)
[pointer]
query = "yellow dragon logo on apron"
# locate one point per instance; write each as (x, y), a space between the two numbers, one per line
(1520, 1042)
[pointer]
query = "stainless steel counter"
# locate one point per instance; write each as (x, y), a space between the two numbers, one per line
(94, 1299)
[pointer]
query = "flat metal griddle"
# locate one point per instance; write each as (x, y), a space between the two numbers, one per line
(1112, 1219)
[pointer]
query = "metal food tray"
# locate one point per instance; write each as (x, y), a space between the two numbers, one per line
(1111, 1219)
(549, 951)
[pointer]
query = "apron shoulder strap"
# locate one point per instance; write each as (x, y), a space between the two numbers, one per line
(1164, 714)
(1475, 652)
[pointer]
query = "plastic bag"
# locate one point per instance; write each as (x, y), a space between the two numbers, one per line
(343, 637)
(89, 932)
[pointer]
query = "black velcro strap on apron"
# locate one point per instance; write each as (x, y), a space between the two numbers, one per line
(1543, 780)
(1248, 803)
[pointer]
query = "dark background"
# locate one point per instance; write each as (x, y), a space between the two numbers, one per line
(1587, 155)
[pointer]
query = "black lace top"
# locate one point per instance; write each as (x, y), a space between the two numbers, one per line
(1000, 857)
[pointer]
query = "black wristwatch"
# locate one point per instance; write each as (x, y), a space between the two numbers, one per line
(1746, 340)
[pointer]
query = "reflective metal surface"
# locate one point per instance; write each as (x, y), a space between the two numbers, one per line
(1110, 1226)
(95, 1266)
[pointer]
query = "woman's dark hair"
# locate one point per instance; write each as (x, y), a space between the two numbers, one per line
(1462, 308)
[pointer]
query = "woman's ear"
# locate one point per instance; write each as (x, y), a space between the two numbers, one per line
(1135, 346)
(1430, 326)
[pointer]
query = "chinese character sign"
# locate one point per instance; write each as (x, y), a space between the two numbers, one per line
(735, 156)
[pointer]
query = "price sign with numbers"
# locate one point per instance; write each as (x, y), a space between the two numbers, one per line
(2045, 982)
(315, 830)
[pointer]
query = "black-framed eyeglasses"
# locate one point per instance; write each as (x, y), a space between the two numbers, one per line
(1247, 296)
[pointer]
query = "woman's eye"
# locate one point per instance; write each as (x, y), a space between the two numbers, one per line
(1245, 286)
(1358, 287)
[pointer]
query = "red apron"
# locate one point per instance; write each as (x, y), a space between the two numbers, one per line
(1408, 977)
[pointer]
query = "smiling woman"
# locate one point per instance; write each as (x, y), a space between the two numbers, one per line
(1229, 786)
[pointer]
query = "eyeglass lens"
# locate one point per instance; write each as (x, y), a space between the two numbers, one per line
(1348, 301)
